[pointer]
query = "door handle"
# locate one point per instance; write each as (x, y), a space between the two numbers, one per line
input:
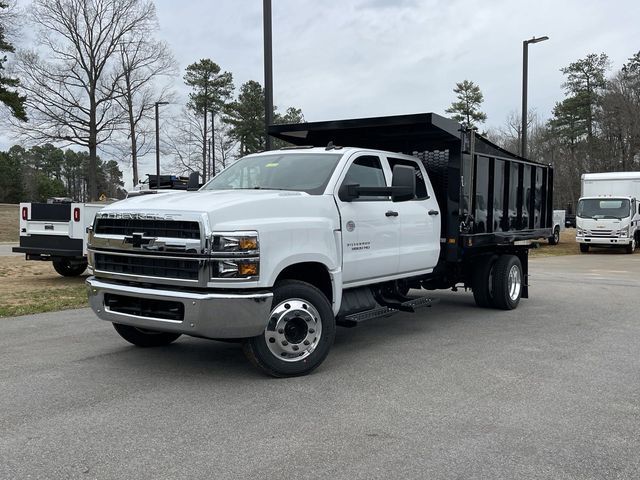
(433, 212)
(391, 213)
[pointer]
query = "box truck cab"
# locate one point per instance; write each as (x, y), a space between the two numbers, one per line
(607, 213)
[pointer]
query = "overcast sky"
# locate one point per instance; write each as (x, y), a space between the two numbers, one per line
(354, 58)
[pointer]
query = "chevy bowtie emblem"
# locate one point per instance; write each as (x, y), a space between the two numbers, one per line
(138, 240)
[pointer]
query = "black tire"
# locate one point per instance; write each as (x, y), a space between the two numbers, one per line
(261, 351)
(555, 238)
(68, 268)
(631, 247)
(506, 295)
(145, 338)
(584, 248)
(481, 284)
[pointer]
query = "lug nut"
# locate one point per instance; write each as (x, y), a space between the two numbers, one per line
(272, 340)
(285, 343)
(295, 347)
(311, 330)
(281, 331)
(306, 342)
(287, 306)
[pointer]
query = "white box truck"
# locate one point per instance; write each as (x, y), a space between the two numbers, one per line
(607, 213)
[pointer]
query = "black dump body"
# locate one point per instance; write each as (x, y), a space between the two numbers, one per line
(488, 196)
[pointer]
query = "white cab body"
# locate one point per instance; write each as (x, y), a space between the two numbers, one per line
(607, 213)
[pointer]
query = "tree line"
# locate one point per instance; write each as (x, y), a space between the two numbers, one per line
(42, 172)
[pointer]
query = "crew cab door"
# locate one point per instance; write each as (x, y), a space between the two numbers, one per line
(419, 242)
(370, 229)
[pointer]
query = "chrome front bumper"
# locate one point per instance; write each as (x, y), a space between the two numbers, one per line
(210, 315)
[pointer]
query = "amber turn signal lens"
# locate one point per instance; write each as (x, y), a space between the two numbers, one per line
(248, 243)
(248, 269)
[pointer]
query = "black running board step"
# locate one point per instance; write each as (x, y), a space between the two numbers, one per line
(354, 319)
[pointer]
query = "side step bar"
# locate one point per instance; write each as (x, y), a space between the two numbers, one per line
(354, 319)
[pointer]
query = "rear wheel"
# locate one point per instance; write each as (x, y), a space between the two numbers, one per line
(70, 267)
(145, 338)
(299, 334)
(507, 282)
(584, 248)
(481, 281)
(555, 238)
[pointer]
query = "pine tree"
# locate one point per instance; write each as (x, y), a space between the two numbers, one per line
(211, 91)
(467, 109)
(8, 95)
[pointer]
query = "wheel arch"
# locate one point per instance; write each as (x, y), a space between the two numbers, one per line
(318, 275)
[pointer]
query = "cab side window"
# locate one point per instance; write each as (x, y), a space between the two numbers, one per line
(366, 171)
(421, 186)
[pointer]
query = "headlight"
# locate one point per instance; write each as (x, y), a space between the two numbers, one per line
(581, 232)
(235, 242)
(235, 255)
(624, 232)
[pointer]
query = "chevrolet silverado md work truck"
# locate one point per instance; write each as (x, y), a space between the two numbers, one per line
(284, 245)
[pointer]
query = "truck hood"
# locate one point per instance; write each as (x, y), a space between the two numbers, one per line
(200, 201)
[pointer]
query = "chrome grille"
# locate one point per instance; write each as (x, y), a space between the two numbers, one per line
(150, 228)
(148, 266)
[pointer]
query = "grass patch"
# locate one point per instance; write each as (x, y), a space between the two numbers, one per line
(567, 246)
(40, 301)
(9, 223)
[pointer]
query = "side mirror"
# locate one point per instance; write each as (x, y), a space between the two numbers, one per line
(403, 183)
(349, 192)
(194, 181)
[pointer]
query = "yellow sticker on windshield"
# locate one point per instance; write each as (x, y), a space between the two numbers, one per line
(272, 164)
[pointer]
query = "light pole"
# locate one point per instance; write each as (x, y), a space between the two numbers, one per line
(158, 144)
(525, 68)
(268, 71)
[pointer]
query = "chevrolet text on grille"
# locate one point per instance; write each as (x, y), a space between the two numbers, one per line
(134, 216)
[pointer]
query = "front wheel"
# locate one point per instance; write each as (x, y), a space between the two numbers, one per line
(555, 238)
(142, 337)
(507, 282)
(68, 267)
(632, 246)
(299, 334)
(584, 248)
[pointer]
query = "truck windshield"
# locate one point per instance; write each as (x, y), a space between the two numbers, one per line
(604, 208)
(300, 172)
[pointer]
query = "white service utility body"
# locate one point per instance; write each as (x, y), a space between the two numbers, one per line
(284, 245)
(608, 213)
(56, 232)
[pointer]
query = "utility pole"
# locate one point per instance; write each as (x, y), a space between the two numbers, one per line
(268, 71)
(525, 73)
(158, 143)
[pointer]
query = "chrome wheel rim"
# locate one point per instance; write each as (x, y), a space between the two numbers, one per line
(514, 282)
(294, 330)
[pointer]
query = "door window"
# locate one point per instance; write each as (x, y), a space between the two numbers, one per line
(421, 186)
(366, 171)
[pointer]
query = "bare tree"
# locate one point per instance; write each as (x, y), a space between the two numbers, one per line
(72, 79)
(183, 138)
(143, 61)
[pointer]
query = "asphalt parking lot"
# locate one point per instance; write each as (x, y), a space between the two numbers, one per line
(550, 390)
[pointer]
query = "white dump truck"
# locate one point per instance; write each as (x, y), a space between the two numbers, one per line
(608, 211)
(282, 246)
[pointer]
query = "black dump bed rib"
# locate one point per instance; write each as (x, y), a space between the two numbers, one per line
(488, 195)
